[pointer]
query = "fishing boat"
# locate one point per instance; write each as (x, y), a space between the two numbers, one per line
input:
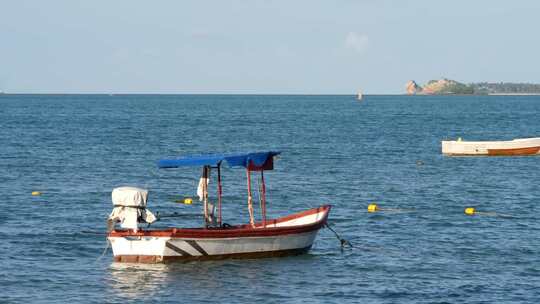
(289, 235)
(359, 96)
(522, 146)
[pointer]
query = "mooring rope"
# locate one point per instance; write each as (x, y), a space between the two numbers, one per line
(93, 232)
(176, 214)
(344, 243)
(104, 251)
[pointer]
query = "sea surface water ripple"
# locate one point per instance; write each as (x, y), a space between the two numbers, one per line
(386, 149)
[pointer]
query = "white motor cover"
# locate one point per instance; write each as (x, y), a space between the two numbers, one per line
(129, 196)
(130, 206)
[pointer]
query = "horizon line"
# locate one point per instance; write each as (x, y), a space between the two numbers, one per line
(139, 93)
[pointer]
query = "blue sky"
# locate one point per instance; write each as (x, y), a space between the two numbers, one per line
(256, 46)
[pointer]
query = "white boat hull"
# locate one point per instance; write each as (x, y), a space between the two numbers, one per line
(163, 249)
(525, 146)
(287, 236)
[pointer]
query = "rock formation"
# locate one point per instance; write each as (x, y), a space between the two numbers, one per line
(412, 88)
(439, 87)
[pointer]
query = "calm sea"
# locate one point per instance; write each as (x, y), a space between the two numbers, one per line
(386, 149)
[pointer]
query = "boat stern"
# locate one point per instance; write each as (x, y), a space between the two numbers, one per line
(138, 249)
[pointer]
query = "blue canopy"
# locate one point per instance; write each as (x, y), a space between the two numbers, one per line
(253, 159)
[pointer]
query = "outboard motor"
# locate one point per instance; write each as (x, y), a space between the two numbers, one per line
(129, 208)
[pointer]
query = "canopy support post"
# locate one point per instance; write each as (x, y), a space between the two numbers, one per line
(263, 199)
(205, 195)
(250, 198)
(219, 193)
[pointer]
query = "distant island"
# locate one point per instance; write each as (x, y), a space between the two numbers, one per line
(451, 87)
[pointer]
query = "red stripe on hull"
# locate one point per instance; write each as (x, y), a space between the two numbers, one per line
(516, 151)
(152, 259)
(236, 231)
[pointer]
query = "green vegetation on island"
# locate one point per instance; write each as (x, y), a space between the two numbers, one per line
(505, 88)
(451, 87)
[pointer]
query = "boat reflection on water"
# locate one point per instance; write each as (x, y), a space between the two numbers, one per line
(137, 280)
(201, 280)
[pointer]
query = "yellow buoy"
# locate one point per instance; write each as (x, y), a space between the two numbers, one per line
(188, 201)
(372, 208)
(36, 193)
(470, 211)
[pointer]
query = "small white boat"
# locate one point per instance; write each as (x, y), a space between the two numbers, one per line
(359, 96)
(523, 146)
(290, 235)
